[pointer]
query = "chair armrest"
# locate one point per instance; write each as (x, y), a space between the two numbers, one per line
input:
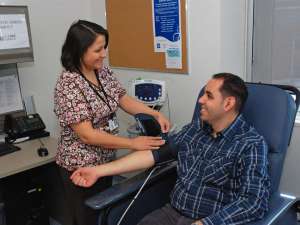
(277, 207)
(120, 191)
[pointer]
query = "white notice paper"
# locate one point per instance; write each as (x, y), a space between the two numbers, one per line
(173, 58)
(10, 95)
(13, 31)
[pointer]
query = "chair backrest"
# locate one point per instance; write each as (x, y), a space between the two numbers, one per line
(271, 109)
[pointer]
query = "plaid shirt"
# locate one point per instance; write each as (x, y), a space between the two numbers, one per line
(223, 179)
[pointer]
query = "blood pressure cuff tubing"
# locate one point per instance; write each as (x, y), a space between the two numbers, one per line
(165, 153)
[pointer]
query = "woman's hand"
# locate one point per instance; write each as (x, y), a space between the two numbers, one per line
(147, 143)
(85, 177)
(163, 122)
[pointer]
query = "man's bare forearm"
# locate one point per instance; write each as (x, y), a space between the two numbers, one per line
(131, 162)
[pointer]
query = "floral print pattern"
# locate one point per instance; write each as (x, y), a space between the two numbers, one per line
(75, 101)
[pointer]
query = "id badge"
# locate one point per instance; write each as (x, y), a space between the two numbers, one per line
(113, 124)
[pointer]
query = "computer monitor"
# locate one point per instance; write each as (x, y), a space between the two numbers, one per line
(15, 36)
(10, 92)
(10, 101)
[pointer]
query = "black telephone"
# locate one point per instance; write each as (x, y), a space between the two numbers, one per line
(31, 126)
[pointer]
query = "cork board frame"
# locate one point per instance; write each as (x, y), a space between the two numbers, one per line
(129, 23)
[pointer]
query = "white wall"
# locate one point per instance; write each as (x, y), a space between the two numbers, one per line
(49, 21)
(233, 36)
(211, 25)
(215, 36)
(217, 33)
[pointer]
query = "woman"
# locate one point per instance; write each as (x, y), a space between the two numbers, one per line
(87, 96)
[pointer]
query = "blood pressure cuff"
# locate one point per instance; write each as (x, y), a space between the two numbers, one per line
(165, 154)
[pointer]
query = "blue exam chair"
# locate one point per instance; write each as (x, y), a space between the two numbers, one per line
(271, 109)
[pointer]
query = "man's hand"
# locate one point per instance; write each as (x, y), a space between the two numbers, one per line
(147, 143)
(85, 177)
(163, 122)
(198, 222)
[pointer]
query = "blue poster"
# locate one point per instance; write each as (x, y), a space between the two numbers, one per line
(166, 30)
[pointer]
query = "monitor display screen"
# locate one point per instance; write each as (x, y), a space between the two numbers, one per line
(10, 90)
(15, 36)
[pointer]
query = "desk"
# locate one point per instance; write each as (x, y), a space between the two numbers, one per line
(20, 169)
(27, 158)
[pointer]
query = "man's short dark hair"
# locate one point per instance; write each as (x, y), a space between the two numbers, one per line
(233, 86)
(80, 36)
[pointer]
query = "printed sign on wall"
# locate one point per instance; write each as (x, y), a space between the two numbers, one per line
(166, 31)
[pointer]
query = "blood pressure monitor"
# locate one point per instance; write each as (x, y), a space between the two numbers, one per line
(150, 92)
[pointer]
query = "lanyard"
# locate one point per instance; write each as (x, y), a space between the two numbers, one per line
(105, 100)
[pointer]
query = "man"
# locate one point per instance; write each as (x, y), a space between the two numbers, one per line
(222, 163)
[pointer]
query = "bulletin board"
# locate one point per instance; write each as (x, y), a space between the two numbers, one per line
(131, 42)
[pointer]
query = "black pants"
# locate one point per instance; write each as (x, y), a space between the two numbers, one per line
(166, 215)
(75, 196)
